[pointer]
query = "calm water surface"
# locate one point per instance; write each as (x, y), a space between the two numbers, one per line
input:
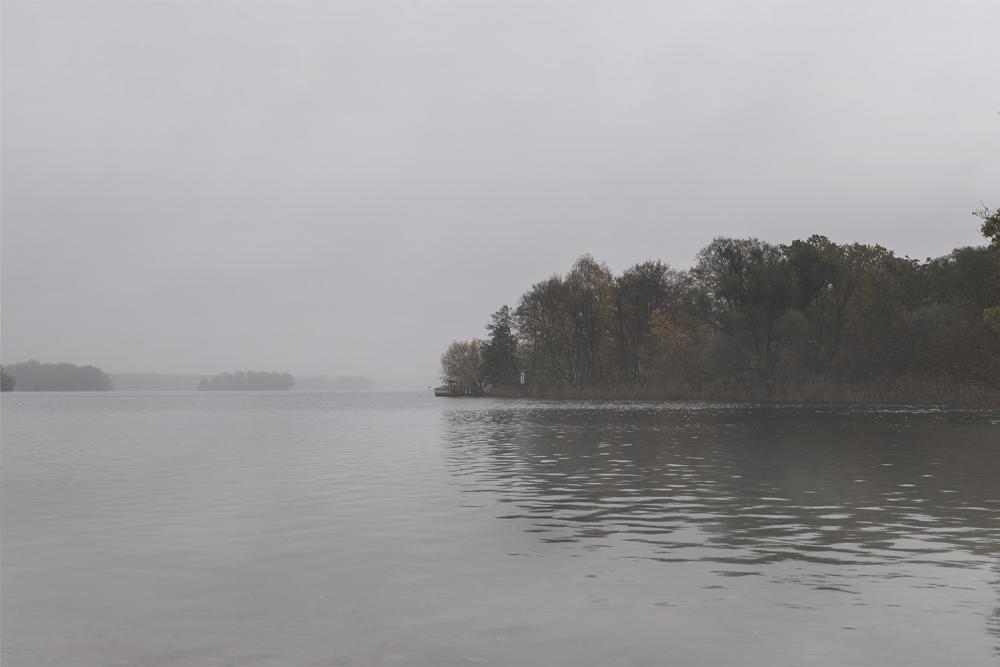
(324, 529)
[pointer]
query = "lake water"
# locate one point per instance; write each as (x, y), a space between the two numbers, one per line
(399, 529)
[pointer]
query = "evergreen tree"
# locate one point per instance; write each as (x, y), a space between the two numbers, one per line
(500, 351)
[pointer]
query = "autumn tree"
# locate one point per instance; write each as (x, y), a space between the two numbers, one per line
(462, 367)
(749, 289)
(545, 331)
(643, 293)
(590, 289)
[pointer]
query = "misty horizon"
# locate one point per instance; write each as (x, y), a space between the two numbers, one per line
(345, 189)
(384, 383)
(504, 333)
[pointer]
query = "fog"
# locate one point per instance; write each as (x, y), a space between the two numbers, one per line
(344, 188)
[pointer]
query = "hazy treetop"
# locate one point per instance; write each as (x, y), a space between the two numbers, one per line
(339, 187)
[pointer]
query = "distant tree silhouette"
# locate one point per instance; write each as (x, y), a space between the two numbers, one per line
(247, 381)
(6, 381)
(35, 376)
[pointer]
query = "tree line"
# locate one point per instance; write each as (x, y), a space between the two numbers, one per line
(247, 381)
(34, 375)
(811, 319)
(37, 376)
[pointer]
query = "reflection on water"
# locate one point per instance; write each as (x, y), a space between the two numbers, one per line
(859, 497)
(275, 529)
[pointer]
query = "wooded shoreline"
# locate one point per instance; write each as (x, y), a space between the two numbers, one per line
(807, 321)
(908, 392)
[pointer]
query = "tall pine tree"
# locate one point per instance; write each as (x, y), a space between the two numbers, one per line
(500, 351)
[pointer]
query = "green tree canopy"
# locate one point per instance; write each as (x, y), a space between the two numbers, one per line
(991, 226)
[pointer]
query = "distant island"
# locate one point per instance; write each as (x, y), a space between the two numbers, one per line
(34, 375)
(247, 381)
(811, 320)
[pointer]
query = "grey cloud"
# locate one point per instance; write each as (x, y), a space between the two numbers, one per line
(346, 187)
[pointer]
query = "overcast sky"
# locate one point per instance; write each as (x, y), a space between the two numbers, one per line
(345, 187)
